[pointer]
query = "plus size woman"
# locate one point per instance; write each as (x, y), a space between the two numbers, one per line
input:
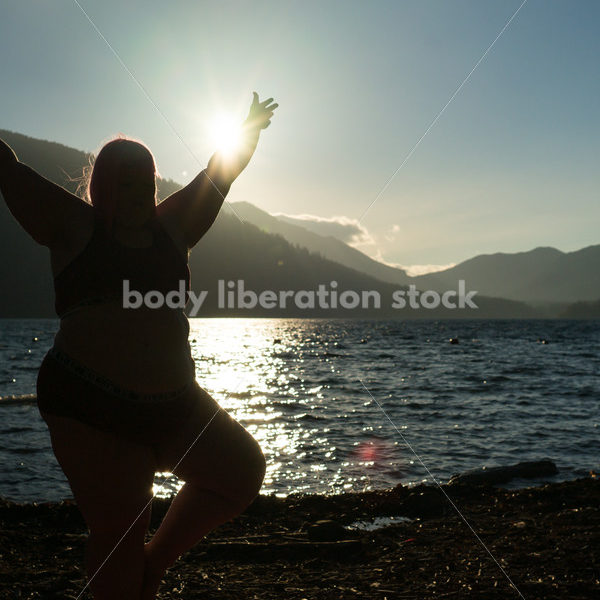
(117, 390)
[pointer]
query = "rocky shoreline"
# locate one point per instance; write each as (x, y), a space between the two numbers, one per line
(545, 538)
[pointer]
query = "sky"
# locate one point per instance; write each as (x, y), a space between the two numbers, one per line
(510, 164)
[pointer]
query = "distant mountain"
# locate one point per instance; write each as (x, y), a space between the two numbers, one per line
(538, 276)
(232, 250)
(327, 246)
(544, 276)
(582, 310)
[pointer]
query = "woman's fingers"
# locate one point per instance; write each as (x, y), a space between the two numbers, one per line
(261, 112)
(264, 102)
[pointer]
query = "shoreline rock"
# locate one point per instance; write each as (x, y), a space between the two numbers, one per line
(496, 475)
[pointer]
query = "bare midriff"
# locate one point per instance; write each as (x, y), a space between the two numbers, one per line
(145, 350)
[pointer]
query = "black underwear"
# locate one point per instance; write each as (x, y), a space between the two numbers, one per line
(67, 388)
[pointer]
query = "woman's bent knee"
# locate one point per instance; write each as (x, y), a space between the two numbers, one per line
(251, 473)
(239, 477)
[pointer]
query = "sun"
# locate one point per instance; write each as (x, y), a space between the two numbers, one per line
(226, 133)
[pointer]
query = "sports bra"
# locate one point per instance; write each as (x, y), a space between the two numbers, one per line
(98, 272)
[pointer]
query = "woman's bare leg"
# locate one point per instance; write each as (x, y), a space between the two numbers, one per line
(193, 513)
(115, 569)
(223, 471)
(111, 481)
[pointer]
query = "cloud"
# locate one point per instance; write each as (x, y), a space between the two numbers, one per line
(414, 270)
(351, 232)
(348, 230)
(392, 234)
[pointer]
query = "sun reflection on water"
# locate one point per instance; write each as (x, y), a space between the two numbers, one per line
(280, 380)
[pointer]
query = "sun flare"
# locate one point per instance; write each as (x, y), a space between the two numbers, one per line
(226, 133)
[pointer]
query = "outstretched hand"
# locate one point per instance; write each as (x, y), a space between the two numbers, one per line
(259, 116)
(227, 168)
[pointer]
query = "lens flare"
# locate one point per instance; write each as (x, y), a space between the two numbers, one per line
(370, 451)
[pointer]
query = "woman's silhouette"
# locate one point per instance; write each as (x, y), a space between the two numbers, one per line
(118, 390)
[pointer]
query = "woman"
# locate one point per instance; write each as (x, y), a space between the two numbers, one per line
(118, 390)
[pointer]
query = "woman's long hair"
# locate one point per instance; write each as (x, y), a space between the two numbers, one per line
(100, 177)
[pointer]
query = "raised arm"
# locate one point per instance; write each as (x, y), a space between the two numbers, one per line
(45, 210)
(195, 207)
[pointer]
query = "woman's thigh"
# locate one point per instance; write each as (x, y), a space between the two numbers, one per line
(212, 449)
(111, 478)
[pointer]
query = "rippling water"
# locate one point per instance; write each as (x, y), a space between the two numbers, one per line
(337, 405)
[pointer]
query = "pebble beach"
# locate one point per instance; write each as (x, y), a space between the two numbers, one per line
(310, 546)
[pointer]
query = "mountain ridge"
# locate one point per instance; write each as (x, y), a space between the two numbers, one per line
(234, 250)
